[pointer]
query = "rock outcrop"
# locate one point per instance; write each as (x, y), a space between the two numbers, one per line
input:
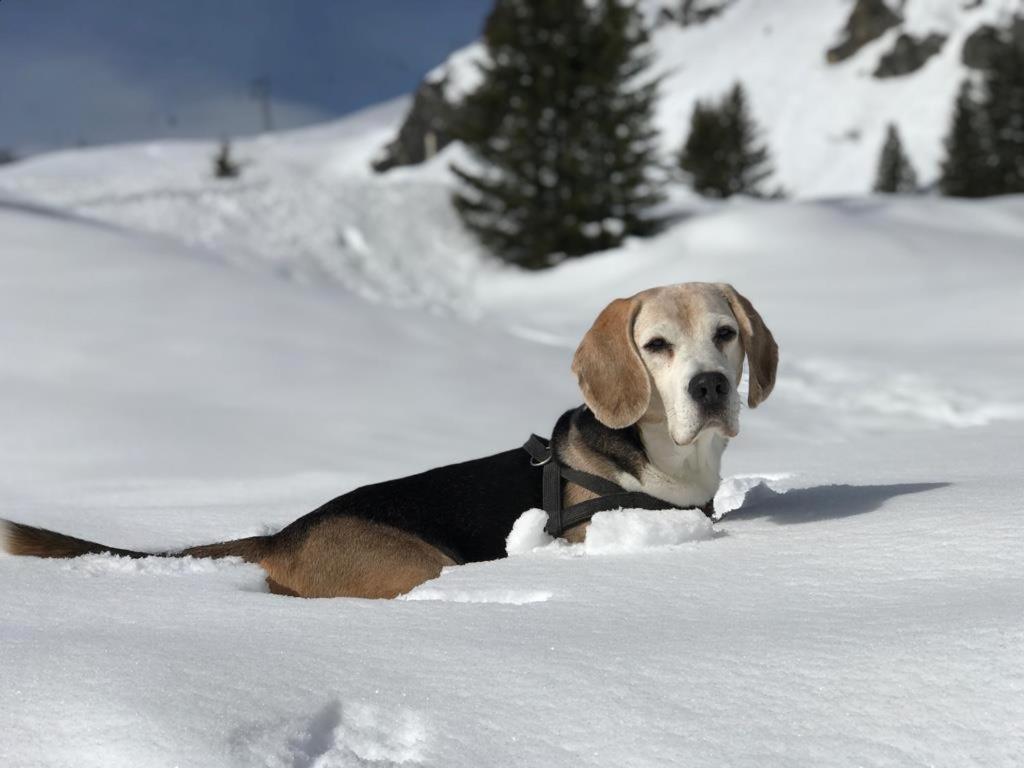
(425, 130)
(868, 21)
(909, 54)
(984, 43)
(689, 12)
(699, 11)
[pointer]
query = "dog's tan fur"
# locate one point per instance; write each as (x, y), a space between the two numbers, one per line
(349, 557)
(340, 557)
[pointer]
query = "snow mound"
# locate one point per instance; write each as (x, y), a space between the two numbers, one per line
(528, 533)
(733, 491)
(620, 531)
(634, 530)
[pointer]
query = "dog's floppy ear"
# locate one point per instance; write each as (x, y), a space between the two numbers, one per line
(607, 364)
(758, 343)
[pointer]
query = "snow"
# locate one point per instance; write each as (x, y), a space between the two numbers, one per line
(186, 361)
(628, 531)
(861, 601)
(307, 207)
(824, 124)
(615, 532)
(460, 74)
(734, 491)
(528, 533)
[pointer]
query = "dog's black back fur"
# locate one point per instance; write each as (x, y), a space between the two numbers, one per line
(465, 510)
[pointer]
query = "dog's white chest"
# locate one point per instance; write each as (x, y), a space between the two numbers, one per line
(684, 475)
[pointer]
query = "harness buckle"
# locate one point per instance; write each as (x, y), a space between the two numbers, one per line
(540, 451)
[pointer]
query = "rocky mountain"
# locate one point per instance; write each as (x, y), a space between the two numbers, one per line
(825, 78)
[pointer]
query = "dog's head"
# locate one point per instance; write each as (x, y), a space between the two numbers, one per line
(675, 354)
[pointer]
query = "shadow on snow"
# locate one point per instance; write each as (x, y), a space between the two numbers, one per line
(822, 502)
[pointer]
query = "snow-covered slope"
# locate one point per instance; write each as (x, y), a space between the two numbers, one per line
(824, 122)
(307, 206)
(179, 365)
(861, 604)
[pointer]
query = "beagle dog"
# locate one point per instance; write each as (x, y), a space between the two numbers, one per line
(659, 373)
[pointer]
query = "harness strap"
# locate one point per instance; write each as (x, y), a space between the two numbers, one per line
(591, 482)
(584, 510)
(552, 495)
(610, 495)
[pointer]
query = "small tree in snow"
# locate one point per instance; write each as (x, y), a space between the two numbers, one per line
(895, 173)
(722, 153)
(225, 166)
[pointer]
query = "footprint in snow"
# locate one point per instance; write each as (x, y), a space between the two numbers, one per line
(338, 735)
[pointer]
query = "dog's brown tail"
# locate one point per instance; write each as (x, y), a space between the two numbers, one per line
(20, 539)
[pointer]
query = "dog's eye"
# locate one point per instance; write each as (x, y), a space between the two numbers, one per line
(657, 344)
(724, 334)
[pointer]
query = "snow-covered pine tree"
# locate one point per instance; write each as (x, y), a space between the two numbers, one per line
(1004, 113)
(563, 153)
(967, 170)
(723, 154)
(895, 174)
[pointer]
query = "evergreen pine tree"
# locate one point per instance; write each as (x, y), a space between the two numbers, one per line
(704, 155)
(563, 155)
(749, 162)
(967, 170)
(1004, 112)
(722, 153)
(895, 173)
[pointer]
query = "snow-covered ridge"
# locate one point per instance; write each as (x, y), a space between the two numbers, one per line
(824, 122)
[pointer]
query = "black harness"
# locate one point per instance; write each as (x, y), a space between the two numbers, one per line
(609, 495)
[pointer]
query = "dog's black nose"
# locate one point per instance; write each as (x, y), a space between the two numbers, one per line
(709, 389)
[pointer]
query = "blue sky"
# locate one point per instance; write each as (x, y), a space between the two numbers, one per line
(99, 71)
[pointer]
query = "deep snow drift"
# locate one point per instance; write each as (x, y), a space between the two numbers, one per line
(861, 602)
